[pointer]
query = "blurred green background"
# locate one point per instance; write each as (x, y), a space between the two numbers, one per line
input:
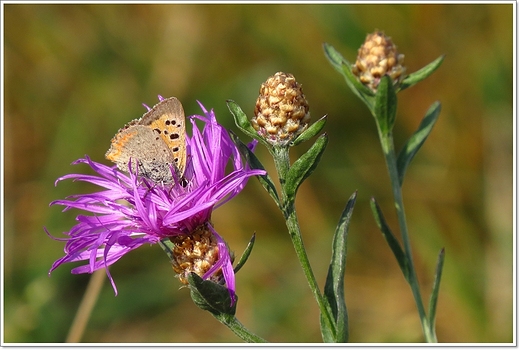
(76, 73)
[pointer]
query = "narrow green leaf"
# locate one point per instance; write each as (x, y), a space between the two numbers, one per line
(344, 67)
(313, 130)
(246, 254)
(326, 334)
(304, 166)
(421, 74)
(334, 285)
(394, 244)
(211, 296)
(416, 140)
(167, 246)
(435, 290)
(334, 57)
(254, 163)
(242, 122)
(385, 105)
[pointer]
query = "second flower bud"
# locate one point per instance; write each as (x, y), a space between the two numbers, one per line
(281, 111)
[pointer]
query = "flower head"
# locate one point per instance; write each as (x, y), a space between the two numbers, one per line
(377, 57)
(131, 210)
(281, 111)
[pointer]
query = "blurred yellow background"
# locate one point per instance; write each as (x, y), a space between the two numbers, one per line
(76, 73)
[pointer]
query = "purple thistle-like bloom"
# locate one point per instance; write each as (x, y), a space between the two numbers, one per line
(131, 210)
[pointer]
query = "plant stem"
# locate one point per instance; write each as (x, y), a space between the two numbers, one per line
(387, 144)
(88, 302)
(242, 332)
(287, 205)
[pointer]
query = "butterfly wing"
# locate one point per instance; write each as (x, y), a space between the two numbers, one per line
(143, 145)
(167, 119)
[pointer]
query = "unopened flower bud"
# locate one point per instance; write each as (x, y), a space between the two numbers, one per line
(281, 111)
(377, 57)
(196, 252)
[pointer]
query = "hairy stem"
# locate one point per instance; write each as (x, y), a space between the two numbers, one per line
(387, 144)
(287, 205)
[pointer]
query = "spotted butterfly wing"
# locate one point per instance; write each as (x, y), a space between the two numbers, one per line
(167, 119)
(156, 142)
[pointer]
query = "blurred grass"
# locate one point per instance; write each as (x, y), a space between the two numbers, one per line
(76, 73)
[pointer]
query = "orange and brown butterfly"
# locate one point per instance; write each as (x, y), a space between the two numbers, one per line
(156, 141)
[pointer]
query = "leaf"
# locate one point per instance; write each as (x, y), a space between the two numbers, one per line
(246, 254)
(390, 239)
(304, 166)
(242, 122)
(385, 105)
(211, 296)
(334, 285)
(313, 130)
(344, 67)
(328, 335)
(435, 291)
(421, 74)
(334, 57)
(254, 163)
(416, 140)
(167, 245)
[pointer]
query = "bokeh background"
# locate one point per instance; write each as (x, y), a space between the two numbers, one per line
(76, 73)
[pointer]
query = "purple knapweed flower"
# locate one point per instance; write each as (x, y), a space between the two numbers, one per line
(131, 210)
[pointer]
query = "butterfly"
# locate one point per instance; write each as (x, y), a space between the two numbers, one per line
(156, 143)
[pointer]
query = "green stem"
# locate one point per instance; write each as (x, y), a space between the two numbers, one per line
(387, 144)
(242, 332)
(287, 205)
